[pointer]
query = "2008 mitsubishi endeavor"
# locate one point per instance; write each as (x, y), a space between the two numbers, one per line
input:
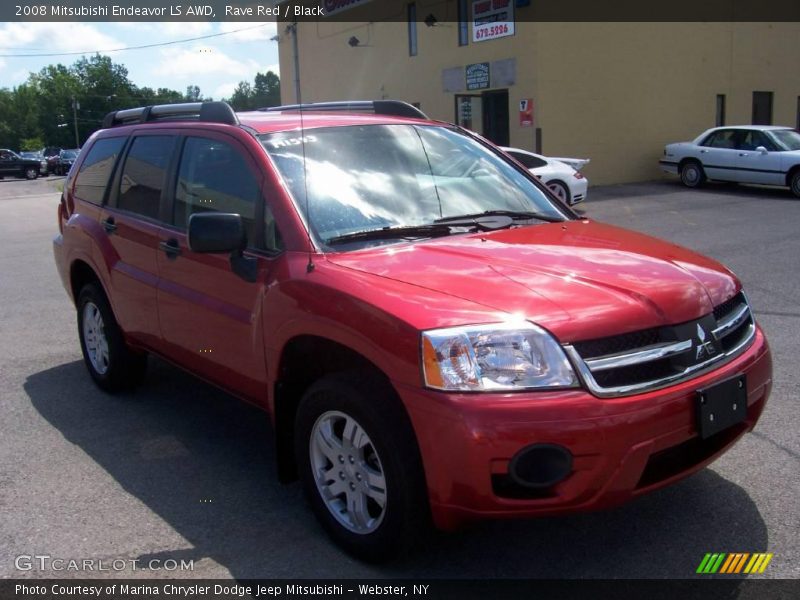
(434, 336)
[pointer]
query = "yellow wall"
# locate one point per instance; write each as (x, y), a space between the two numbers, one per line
(612, 92)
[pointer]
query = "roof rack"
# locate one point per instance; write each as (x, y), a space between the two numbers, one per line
(210, 112)
(396, 108)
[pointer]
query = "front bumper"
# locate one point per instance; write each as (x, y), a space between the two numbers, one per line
(621, 447)
(669, 166)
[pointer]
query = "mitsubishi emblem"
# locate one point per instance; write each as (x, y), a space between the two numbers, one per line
(705, 348)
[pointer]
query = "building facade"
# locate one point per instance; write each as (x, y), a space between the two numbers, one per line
(613, 92)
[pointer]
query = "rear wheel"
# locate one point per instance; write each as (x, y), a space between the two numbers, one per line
(692, 174)
(360, 466)
(794, 183)
(560, 190)
(31, 173)
(111, 363)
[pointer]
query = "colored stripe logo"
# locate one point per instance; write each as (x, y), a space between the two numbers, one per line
(733, 563)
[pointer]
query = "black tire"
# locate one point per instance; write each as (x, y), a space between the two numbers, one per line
(391, 451)
(794, 183)
(692, 174)
(31, 173)
(122, 368)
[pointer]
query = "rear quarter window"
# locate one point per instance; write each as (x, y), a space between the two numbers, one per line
(143, 174)
(92, 179)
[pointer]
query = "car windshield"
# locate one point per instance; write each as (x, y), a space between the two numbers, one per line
(371, 177)
(787, 139)
(69, 154)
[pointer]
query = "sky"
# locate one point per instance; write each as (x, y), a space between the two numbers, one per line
(215, 64)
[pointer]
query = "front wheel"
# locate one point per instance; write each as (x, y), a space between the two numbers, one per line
(794, 183)
(31, 173)
(360, 466)
(692, 174)
(111, 363)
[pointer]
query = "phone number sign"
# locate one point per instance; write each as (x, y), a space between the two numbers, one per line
(492, 19)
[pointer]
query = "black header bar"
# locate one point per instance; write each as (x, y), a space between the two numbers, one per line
(443, 11)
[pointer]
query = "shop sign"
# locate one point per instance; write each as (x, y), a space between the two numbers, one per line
(478, 76)
(492, 19)
(526, 112)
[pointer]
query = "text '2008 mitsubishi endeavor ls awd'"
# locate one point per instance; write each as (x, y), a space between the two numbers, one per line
(434, 336)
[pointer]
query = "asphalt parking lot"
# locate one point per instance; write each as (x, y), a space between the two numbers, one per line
(179, 470)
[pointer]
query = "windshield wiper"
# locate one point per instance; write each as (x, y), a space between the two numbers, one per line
(440, 227)
(516, 215)
(388, 233)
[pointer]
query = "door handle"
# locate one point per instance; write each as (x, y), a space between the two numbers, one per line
(743, 154)
(703, 151)
(109, 225)
(170, 248)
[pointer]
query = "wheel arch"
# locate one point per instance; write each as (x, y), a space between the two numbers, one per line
(791, 173)
(305, 359)
(81, 273)
(689, 159)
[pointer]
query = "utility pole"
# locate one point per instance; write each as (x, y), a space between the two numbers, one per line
(75, 106)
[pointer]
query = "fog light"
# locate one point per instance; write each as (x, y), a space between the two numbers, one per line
(540, 465)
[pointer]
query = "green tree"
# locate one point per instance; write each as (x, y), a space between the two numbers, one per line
(265, 92)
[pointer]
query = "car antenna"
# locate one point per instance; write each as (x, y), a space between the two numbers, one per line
(310, 265)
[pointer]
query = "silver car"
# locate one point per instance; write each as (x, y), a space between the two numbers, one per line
(744, 154)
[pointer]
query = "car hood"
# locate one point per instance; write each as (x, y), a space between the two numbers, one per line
(580, 279)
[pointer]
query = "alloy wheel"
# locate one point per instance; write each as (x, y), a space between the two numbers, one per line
(94, 337)
(348, 472)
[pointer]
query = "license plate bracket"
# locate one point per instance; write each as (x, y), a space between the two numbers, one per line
(721, 405)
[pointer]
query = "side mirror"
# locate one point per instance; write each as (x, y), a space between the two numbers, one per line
(762, 150)
(215, 233)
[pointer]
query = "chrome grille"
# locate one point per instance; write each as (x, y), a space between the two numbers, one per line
(655, 358)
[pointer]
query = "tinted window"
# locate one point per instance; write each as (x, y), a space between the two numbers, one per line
(722, 139)
(95, 172)
(214, 177)
(754, 139)
(530, 162)
(143, 175)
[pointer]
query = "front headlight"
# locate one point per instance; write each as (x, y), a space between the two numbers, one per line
(503, 356)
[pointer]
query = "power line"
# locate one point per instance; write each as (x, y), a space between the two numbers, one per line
(183, 41)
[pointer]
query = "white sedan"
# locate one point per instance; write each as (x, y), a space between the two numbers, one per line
(743, 154)
(561, 175)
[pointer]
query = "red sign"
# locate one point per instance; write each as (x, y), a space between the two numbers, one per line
(526, 112)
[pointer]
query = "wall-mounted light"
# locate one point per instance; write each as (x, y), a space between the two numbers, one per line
(430, 20)
(353, 42)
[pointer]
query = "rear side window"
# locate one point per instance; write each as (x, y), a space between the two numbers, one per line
(96, 169)
(722, 139)
(143, 174)
(530, 162)
(214, 177)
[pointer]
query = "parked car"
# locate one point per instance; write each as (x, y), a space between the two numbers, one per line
(562, 176)
(66, 158)
(434, 336)
(36, 156)
(14, 165)
(744, 154)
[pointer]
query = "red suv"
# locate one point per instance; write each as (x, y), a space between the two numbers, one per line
(435, 337)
